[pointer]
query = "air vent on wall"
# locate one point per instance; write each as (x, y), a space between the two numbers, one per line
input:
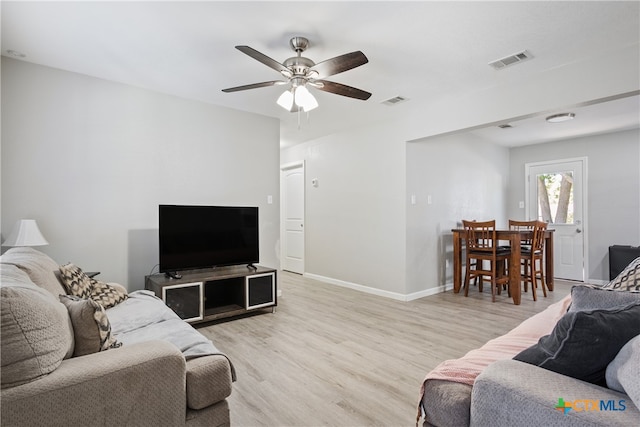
(510, 60)
(395, 100)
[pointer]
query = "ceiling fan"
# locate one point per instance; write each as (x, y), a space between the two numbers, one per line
(301, 72)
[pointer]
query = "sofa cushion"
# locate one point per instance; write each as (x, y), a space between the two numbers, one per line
(628, 279)
(40, 268)
(584, 342)
(81, 285)
(36, 334)
(91, 327)
(587, 297)
(624, 371)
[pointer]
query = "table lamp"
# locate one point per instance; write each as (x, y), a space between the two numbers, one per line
(25, 233)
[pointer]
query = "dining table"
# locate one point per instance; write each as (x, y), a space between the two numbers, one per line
(514, 237)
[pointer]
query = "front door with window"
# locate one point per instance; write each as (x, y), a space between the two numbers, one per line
(556, 196)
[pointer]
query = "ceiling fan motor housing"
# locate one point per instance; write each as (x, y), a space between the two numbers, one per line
(299, 44)
(299, 65)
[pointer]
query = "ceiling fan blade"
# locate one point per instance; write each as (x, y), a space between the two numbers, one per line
(272, 63)
(340, 89)
(254, 86)
(339, 64)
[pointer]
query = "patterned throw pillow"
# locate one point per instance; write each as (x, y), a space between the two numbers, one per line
(79, 284)
(628, 279)
(75, 281)
(107, 295)
(91, 327)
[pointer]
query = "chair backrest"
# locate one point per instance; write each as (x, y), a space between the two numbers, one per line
(481, 235)
(537, 242)
(523, 226)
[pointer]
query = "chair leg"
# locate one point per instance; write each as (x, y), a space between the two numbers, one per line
(540, 272)
(466, 280)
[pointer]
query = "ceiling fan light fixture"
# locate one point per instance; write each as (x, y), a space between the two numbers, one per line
(304, 99)
(286, 100)
(559, 118)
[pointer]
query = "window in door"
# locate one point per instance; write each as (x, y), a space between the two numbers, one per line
(555, 197)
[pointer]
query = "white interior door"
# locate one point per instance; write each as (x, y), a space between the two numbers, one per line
(293, 218)
(556, 194)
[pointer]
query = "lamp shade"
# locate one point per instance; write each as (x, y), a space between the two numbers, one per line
(25, 233)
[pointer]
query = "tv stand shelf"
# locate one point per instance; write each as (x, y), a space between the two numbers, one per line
(210, 294)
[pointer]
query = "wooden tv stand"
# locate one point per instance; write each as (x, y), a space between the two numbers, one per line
(214, 293)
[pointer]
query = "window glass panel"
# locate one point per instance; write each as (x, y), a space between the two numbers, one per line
(555, 197)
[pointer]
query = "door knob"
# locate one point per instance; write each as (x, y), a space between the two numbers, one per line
(578, 230)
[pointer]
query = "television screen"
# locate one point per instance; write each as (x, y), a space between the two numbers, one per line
(193, 237)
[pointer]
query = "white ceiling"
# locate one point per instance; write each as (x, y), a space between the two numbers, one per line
(420, 50)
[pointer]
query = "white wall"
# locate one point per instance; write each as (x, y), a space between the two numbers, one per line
(465, 178)
(355, 218)
(613, 180)
(90, 160)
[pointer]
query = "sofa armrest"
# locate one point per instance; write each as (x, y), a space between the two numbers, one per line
(513, 393)
(208, 380)
(137, 385)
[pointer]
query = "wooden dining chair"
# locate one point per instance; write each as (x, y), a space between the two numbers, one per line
(482, 245)
(532, 257)
(525, 243)
(531, 252)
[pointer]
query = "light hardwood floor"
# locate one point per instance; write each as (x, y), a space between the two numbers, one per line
(338, 357)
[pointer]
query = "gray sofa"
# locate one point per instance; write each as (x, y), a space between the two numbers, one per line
(577, 363)
(140, 371)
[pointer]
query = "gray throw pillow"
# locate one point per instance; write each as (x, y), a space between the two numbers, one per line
(36, 335)
(623, 373)
(587, 297)
(91, 327)
(583, 343)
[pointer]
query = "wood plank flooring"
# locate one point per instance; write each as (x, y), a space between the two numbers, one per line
(333, 356)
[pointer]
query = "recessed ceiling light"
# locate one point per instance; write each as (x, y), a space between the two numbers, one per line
(15, 53)
(559, 118)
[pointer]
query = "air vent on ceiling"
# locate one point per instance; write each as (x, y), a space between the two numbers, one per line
(505, 126)
(510, 60)
(395, 100)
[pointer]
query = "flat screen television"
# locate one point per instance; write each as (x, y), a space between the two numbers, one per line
(193, 237)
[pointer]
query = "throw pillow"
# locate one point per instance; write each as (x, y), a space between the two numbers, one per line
(75, 281)
(36, 335)
(624, 371)
(583, 343)
(588, 297)
(81, 285)
(628, 279)
(91, 327)
(107, 295)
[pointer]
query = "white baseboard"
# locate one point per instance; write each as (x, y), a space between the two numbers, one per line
(379, 292)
